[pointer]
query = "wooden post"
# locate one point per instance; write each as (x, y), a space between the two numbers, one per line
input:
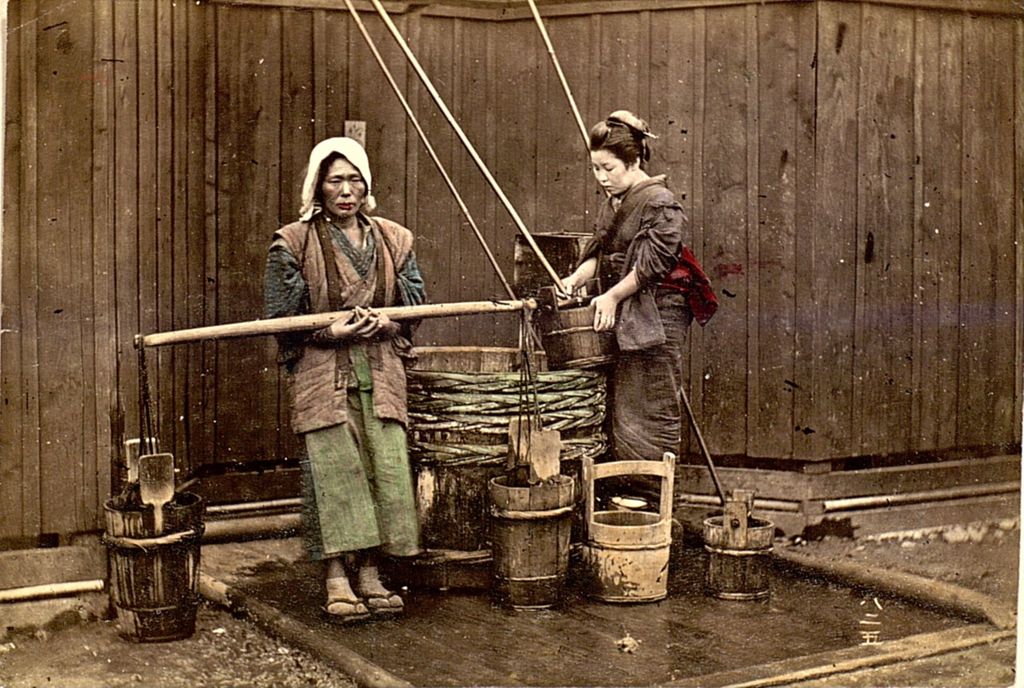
(738, 508)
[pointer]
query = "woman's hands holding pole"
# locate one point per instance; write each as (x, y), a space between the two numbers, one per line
(362, 323)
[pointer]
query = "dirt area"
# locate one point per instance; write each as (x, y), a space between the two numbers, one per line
(228, 651)
(224, 651)
(981, 556)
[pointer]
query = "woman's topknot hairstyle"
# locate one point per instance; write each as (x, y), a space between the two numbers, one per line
(624, 135)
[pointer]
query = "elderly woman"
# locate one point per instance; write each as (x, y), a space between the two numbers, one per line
(347, 381)
(652, 288)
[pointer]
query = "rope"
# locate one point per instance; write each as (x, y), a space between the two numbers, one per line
(143, 543)
(529, 408)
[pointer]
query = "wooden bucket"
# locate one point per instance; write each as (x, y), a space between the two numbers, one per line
(155, 579)
(461, 400)
(738, 557)
(626, 552)
(570, 340)
(530, 531)
(562, 251)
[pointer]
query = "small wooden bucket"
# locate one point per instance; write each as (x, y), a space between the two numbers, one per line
(626, 553)
(530, 527)
(738, 557)
(155, 579)
(570, 340)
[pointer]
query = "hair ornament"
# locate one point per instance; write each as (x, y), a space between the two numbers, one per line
(625, 118)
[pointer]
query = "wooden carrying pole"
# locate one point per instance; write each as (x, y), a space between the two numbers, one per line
(428, 84)
(430, 149)
(315, 321)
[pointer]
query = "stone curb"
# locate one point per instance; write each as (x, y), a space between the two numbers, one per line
(364, 672)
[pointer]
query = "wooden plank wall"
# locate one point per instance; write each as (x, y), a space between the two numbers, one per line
(852, 172)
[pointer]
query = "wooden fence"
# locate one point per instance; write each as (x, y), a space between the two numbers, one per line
(853, 172)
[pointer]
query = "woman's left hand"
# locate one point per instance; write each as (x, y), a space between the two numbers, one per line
(380, 325)
(605, 306)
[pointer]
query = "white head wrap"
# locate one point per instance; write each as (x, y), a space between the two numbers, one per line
(351, 151)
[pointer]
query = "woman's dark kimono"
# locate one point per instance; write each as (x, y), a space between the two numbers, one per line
(644, 232)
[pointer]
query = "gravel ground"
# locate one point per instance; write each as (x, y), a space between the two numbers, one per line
(225, 651)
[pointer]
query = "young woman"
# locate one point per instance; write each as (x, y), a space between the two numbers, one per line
(648, 288)
(347, 381)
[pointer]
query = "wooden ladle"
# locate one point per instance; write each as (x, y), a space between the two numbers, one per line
(156, 485)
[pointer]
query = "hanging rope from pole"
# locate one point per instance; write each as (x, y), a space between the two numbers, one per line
(147, 439)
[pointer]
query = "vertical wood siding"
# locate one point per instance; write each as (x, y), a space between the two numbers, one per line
(852, 173)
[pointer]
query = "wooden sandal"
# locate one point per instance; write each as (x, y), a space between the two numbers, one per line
(387, 603)
(342, 604)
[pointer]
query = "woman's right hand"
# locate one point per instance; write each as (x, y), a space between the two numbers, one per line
(579, 278)
(569, 287)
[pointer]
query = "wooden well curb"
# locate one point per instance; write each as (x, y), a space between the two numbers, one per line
(916, 589)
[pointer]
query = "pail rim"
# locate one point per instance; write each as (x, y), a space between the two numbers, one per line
(753, 523)
(182, 500)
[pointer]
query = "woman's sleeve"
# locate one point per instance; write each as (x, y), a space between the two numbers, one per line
(658, 242)
(410, 283)
(285, 293)
(284, 290)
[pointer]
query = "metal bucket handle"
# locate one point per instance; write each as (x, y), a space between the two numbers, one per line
(664, 469)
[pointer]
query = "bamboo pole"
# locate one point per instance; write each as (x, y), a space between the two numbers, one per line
(252, 507)
(430, 149)
(765, 504)
(315, 321)
(260, 526)
(38, 592)
(700, 441)
(561, 74)
(428, 84)
(960, 492)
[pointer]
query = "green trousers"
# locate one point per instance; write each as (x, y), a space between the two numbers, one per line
(357, 481)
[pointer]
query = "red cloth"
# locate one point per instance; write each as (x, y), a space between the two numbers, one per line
(688, 278)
